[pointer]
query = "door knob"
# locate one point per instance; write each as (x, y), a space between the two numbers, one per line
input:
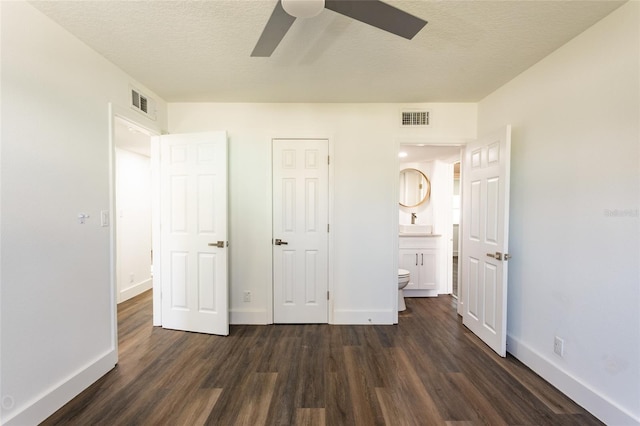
(219, 244)
(497, 255)
(279, 242)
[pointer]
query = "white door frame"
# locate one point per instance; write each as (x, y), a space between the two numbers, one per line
(152, 128)
(330, 245)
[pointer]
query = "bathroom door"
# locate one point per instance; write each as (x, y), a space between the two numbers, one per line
(485, 237)
(193, 234)
(300, 230)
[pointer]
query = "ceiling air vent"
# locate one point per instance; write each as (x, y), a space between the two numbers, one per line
(415, 119)
(142, 103)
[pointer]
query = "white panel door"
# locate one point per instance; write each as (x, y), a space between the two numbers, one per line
(300, 222)
(193, 216)
(485, 237)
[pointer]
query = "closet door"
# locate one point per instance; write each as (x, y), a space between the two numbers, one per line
(300, 230)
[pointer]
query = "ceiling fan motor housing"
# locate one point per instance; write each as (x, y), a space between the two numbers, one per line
(303, 8)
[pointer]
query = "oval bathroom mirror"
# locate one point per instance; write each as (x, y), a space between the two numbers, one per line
(415, 188)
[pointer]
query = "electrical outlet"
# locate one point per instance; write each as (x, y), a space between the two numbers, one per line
(247, 296)
(558, 346)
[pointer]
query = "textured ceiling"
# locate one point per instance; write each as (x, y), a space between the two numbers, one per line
(199, 50)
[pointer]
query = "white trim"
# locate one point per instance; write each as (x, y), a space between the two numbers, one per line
(446, 242)
(51, 400)
(134, 290)
(113, 251)
(357, 317)
(250, 317)
(461, 285)
(330, 242)
(589, 398)
(420, 293)
(434, 141)
(395, 229)
(270, 282)
(156, 246)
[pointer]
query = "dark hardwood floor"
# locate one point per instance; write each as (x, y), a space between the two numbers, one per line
(427, 370)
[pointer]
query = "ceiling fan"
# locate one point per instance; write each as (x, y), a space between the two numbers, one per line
(372, 12)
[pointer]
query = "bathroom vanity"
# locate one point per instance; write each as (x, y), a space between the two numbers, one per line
(419, 254)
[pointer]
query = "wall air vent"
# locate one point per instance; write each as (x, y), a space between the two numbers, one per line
(143, 104)
(414, 119)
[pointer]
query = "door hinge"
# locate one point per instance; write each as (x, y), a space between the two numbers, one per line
(327, 227)
(327, 294)
(328, 160)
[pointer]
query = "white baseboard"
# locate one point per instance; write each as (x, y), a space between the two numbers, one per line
(420, 293)
(259, 317)
(135, 290)
(49, 402)
(598, 405)
(249, 317)
(385, 317)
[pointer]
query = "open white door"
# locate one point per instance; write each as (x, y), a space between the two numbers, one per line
(485, 237)
(300, 230)
(193, 215)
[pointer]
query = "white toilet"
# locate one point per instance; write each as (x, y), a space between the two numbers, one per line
(403, 280)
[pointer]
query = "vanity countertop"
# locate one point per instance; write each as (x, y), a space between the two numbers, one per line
(416, 234)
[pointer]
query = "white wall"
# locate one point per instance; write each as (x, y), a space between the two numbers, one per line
(56, 301)
(133, 218)
(364, 139)
(575, 267)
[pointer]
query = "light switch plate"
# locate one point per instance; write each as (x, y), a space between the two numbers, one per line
(104, 218)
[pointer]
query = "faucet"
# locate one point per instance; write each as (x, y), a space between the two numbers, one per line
(413, 218)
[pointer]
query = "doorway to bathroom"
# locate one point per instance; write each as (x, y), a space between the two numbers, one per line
(484, 235)
(435, 217)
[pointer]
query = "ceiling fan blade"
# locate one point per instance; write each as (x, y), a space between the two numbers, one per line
(277, 26)
(379, 15)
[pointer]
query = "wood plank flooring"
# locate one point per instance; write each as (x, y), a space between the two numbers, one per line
(427, 370)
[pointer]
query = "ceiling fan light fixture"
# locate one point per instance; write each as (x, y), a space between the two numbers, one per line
(303, 8)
